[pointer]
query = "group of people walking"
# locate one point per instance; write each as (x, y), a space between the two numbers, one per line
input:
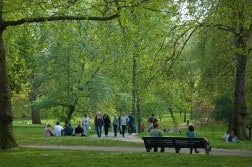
(101, 122)
(118, 124)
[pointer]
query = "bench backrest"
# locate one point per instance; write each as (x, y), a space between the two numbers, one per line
(168, 141)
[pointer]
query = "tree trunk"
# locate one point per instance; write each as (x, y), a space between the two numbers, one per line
(71, 109)
(136, 111)
(35, 113)
(242, 31)
(173, 118)
(36, 116)
(240, 106)
(138, 115)
(6, 117)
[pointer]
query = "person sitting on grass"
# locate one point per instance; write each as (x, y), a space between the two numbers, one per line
(232, 138)
(226, 135)
(58, 129)
(48, 130)
(78, 130)
(68, 130)
(155, 132)
(192, 134)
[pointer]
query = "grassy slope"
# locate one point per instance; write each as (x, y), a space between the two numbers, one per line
(42, 157)
(33, 134)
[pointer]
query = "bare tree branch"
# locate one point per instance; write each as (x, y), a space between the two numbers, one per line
(58, 18)
(176, 53)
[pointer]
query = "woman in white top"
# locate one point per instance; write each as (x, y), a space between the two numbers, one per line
(123, 122)
(85, 124)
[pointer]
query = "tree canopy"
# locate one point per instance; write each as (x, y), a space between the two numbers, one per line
(137, 56)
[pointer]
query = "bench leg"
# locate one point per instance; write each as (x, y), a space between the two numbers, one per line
(208, 149)
(155, 149)
(191, 149)
(162, 149)
(177, 150)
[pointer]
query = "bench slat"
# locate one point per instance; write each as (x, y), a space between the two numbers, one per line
(176, 142)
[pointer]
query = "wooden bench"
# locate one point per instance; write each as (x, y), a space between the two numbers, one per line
(176, 142)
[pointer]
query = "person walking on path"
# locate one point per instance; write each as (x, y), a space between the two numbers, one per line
(152, 121)
(107, 124)
(115, 124)
(85, 124)
(192, 134)
(130, 124)
(98, 124)
(123, 123)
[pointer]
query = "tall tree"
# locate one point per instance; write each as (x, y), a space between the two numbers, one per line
(233, 17)
(7, 18)
(145, 44)
(236, 18)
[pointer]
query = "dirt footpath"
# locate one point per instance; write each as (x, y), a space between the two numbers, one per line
(134, 138)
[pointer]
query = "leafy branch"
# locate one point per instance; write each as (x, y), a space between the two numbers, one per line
(58, 18)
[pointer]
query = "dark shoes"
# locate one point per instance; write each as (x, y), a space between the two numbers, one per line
(191, 150)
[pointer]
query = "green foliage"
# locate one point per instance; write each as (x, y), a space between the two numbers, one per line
(20, 57)
(89, 64)
(154, 106)
(223, 109)
(122, 102)
(14, 9)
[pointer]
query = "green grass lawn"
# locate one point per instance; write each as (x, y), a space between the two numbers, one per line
(47, 157)
(33, 134)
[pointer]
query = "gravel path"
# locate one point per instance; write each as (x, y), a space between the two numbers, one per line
(133, 138)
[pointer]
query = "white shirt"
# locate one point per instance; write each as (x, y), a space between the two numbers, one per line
(124, 120)
(225, 137)
(85, 120)
(57, 130)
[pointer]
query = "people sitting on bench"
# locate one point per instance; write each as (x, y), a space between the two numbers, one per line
(155, 132)
(176, 142)
(192, 134)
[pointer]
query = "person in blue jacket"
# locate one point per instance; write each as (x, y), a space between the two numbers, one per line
(192, 134)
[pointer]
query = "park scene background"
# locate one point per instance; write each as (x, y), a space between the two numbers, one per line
(188, 62)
